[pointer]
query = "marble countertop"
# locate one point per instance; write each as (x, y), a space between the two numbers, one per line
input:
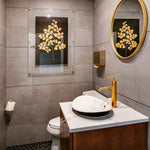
(122, 115)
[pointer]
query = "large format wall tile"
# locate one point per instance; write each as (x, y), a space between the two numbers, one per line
(2, 23)
(61, 4)
(142, 82)
(147, 3)
(2, 14)
(142, 59)
(24, 97)
(17, 76)
(83, 37)
(2, 57)
(21, 134)
(84, 73)
(101, 36)
(83, 19)
(16, 17)
(83, 28)
(16, 57)
(82, 4)
(16, 3)
(2, 75)
(51, 94)
(16, 37)
(2, 88)
(2, 37)
(97, 3)
(27, 134)
(22, 115)
(2, 131)
(83, 55)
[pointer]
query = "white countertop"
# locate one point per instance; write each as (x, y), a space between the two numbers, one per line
(122, 115)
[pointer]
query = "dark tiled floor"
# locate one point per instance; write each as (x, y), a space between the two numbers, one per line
(33, 146)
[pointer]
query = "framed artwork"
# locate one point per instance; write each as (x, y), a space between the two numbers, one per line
(51, 41)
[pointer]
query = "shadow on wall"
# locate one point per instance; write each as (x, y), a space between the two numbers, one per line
(8, 116)
(101, 71)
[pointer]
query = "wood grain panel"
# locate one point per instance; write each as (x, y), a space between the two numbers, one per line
(65, 136)
(130, 137)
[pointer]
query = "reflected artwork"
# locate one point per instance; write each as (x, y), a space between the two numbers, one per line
(126, 36)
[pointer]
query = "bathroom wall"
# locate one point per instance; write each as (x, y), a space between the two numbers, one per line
(37, 98)
(133, 75)
(2, 74)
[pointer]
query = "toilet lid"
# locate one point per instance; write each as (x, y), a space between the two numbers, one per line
(55, 123)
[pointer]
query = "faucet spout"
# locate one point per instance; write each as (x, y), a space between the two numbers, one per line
(114, 91)
(104, 88)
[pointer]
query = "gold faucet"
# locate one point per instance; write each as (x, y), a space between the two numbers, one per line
(114, 91)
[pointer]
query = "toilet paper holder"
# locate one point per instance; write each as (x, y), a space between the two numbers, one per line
(10, 106)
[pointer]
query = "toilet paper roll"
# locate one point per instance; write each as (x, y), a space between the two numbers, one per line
(10, 106)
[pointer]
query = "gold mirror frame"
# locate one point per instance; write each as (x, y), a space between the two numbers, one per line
(143, 31)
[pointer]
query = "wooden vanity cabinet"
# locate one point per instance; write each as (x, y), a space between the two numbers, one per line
(127, 137)
(65, 136)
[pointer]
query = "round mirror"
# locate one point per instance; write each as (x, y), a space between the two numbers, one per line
(128, 28)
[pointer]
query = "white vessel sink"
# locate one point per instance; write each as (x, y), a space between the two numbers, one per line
(90, 105)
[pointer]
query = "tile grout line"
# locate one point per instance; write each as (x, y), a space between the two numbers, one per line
(49, 84)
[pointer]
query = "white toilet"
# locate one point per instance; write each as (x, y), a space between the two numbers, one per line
(53, 128)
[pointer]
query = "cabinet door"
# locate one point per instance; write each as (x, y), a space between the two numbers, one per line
(128, 137)
(65, 136)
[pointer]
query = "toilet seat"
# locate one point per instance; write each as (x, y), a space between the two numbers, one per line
(53, 127)
(55, 123)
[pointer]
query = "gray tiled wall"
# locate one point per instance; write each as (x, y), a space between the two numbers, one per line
(37, 98)
(2, 75)
(133, 75)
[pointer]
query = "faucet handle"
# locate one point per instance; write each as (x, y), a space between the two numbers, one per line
(110, 78)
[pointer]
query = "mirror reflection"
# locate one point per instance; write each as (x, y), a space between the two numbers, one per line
(127, 28)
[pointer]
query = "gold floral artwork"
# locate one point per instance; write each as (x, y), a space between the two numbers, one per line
(52, 38)
(126, 36)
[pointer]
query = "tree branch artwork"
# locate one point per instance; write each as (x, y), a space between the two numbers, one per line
(52, 39)
(126, 36)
